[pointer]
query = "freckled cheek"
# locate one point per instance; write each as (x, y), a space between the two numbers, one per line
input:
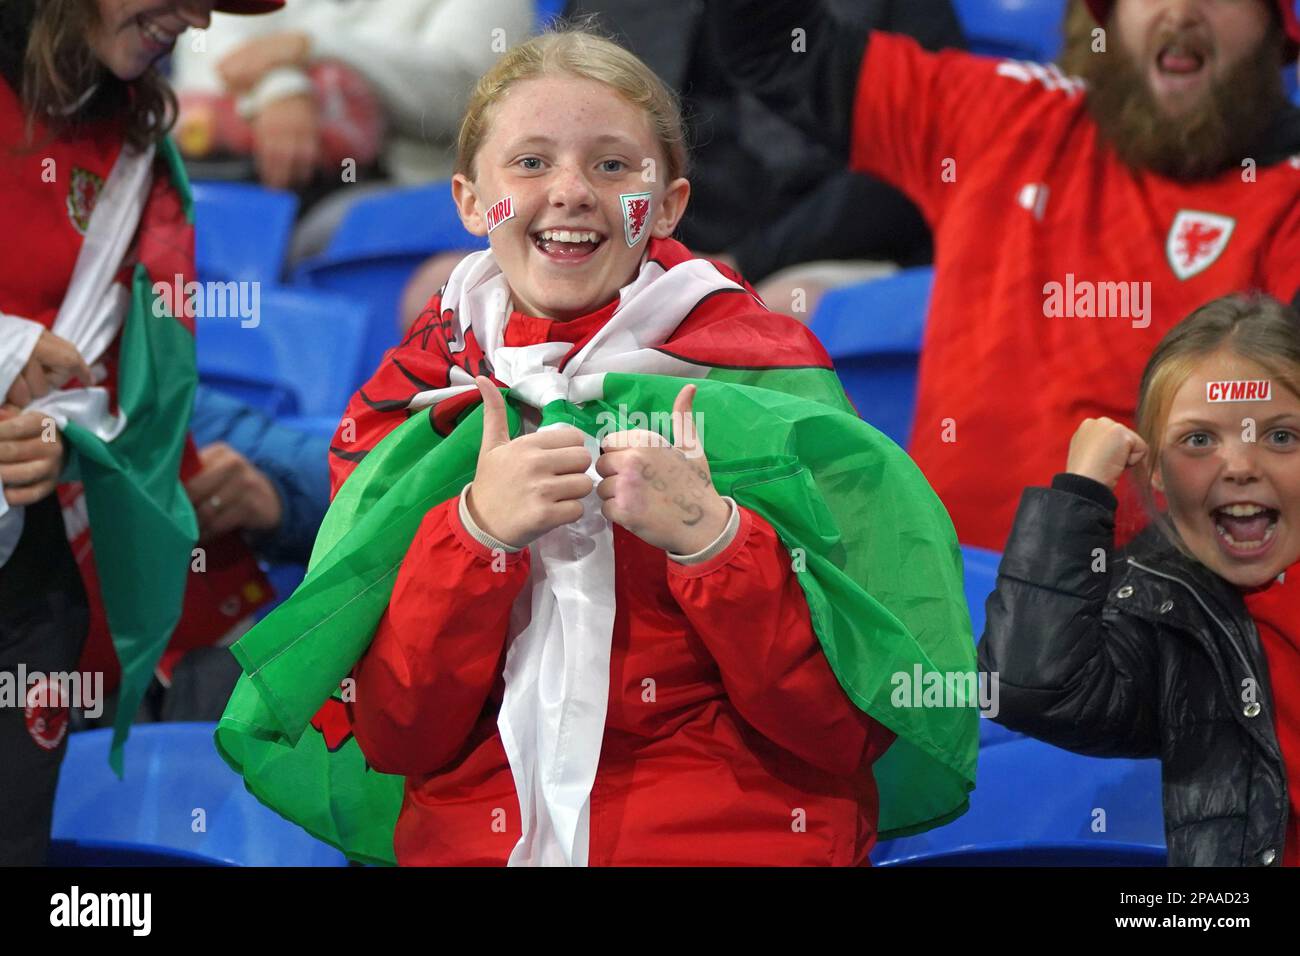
(1187, 486)
(1286, 482)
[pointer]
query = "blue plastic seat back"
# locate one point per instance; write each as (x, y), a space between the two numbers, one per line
(305, 344)
(1020, 29)
(980, 577)
(172, 773)
(980, 574)
(403, 220)
(1078, 853)
(379, 245)
(546, 11)
(1036, 804)
(241, 231)
(873, 331)
(378, 282)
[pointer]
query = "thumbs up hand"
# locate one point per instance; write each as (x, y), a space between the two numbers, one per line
(662, 493)
(524, 487)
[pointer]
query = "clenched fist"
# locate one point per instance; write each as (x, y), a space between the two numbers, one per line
(31, 455)
(230, 494)
(53, 363)
(1103, 449)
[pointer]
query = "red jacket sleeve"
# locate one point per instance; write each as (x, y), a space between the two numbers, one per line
(422, 361)
(921, 120)
(438, 649)
(748, 608)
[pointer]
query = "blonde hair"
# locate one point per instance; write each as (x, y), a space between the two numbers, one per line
(576, 50)
(1253, 326)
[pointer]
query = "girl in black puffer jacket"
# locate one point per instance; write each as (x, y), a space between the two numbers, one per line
(1185, 645)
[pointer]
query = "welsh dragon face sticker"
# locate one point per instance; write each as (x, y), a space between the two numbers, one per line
(636, 215)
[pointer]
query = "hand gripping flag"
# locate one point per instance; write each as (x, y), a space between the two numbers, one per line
(880, 566)
(128, 459)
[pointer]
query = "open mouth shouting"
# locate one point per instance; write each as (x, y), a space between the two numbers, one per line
(1245, 529)
(568, 246)
(1181, 65)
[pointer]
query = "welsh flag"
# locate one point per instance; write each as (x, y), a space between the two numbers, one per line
(875, 551)
(141, 523)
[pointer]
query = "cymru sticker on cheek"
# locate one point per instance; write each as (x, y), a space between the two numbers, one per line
(501, 210)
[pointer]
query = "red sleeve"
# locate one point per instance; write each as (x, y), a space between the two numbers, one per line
(438, 649)
(421, 362)
(1281, 277)
(749, 610)
(920, 117)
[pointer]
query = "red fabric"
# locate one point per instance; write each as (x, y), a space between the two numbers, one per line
(968, 138)
(728, 739)
(731, 328)
(1276, 612)
(41, 211)
(64, 177)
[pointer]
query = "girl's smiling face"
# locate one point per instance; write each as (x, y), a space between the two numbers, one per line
(1233, 491)
(564, 149)
(133, 34)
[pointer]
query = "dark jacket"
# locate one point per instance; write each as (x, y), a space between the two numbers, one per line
(1154, 656)
(761, 189)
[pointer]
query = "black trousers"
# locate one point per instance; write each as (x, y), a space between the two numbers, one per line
(43, 623)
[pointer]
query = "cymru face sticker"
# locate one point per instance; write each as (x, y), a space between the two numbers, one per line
(636, 213)
(501, 210)
(1256, 391)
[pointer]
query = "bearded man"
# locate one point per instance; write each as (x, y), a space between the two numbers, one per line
(1076, 219)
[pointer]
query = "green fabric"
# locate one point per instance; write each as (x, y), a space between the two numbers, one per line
(879, 566)
(141, 523)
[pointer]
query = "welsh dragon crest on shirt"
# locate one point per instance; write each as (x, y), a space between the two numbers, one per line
(1196, 240)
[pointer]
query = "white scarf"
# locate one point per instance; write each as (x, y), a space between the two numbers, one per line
(552, 719)
(90, 316)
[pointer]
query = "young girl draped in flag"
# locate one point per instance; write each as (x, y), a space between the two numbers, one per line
(1186, 645)
(613, 573)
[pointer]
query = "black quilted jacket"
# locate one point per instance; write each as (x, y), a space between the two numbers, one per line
(1154, 656)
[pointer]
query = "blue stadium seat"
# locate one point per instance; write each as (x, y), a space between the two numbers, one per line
(1021, 29)
(872, 331)
(1037, 805)
(148, 817)
(546, 11)
(302, 357)
(980, 567)
(980, 577)
(379, 244)
(241, 231)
